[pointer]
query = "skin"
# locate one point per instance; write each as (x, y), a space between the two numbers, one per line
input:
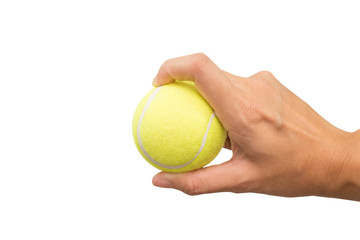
(280, 145)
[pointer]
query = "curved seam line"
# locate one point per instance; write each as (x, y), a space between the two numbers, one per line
(150, 99)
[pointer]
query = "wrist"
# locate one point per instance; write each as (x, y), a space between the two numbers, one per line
(354, 161)
(344, 167)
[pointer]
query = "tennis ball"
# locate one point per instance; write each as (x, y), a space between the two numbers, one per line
(176, 130)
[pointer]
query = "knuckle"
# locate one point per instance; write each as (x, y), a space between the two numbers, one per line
(199, 61)
(193, 186)
(252, 114)
(201, 55)
(266, 74)
(244, 183)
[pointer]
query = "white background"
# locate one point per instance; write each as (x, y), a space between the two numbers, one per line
(73, 72)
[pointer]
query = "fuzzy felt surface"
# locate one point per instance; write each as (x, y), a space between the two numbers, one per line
(173, 127)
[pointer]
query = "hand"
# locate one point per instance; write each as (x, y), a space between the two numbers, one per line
(280, 145)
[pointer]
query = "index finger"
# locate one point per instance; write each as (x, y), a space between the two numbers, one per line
(210, 81)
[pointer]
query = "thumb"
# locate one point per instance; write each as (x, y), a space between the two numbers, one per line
(232, 176)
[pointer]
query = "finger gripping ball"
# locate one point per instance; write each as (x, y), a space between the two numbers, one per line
(176, 130)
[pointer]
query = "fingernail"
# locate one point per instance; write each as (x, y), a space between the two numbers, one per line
(162, 182)
(155, 82)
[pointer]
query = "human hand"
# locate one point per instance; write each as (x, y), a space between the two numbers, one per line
(280, 145)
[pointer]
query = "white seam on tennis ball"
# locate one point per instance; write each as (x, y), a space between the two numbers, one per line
(150, 99)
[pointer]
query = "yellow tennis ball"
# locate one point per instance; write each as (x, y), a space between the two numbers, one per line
(176, 130)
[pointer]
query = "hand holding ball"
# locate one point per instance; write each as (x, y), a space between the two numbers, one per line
(176, 130)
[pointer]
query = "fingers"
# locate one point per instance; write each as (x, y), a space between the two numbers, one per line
(211, 82)
(232, 176)
(188, 68)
